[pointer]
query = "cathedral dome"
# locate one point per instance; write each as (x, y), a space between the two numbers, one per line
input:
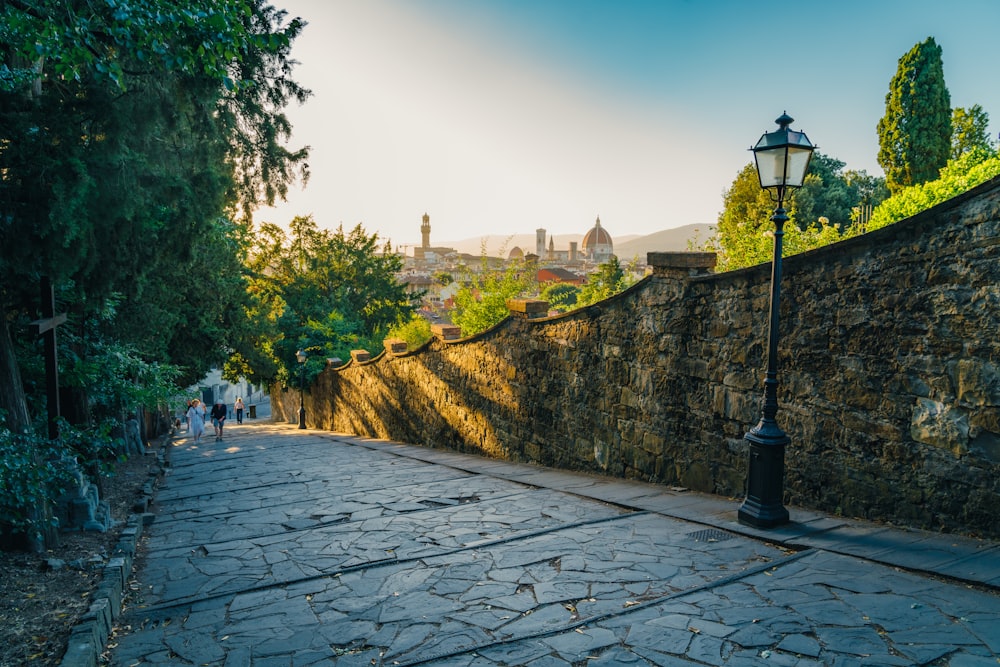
(597, 241)
(515, 253)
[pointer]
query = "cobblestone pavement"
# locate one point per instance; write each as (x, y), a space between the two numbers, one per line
(281, 546)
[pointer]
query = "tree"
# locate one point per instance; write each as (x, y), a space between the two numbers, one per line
(130, 135)
(915, 132)
(745, 218)
(326, 292)
(608, 280)
(969, 131)
(561, 296)
(481, 302)
(820, 212)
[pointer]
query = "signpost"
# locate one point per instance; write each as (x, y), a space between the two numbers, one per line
(46, 328)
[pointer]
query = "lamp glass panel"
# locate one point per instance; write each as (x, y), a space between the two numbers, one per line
(771, 167)
(797, 163)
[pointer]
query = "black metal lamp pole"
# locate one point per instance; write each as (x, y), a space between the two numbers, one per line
(302, 356)
(782, 161)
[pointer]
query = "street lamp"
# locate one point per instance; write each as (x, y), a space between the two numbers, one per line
(782, 160)
(302, 356)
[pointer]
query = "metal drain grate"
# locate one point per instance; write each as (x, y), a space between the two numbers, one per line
(710, 535)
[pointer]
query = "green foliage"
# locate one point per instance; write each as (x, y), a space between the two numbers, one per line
(30, 477)
(970, 131)
(416, 332)
(117, 379)
(561, 296)
(131, 136)
(966, 172)
(744, 243)
(481, 302)
(128, 197)
(443, 278)
(819, 213)
(94, 448)
(745, 217)
(831, 193)
(326, 292)
(915, 132)
(196, 37)
(608, 280)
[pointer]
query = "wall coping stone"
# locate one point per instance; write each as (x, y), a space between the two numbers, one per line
(446, 331)
(395, 345)
(679, 264)
(360, 356)
(528, 309)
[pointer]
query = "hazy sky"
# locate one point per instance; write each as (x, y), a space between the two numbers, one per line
(498, 117)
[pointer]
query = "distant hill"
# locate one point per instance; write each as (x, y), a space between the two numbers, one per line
(669, 240)
(627, 246)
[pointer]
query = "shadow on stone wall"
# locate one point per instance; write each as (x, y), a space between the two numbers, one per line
(889, 366)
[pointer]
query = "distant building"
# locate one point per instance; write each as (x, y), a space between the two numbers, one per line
(556, 274)
(597, 247)
(425, 252)
(597, 244)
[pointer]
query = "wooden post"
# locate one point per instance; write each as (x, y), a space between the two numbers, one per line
(46, 328)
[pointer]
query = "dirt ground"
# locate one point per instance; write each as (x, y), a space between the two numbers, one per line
(39, 606)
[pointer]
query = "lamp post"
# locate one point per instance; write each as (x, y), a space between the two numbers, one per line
(302, 356)
(782, 159)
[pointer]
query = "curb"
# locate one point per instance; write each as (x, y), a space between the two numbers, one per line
(91, 633)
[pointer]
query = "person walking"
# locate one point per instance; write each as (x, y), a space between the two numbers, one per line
(238, 406)
(218, 417)
(196, 420)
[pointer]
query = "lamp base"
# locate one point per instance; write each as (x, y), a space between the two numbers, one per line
(763, 507)
(302, 417)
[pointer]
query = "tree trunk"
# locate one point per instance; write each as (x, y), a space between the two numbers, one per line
(14, 404)
(12, 400)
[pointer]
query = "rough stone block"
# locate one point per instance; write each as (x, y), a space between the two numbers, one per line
(98, 616)
(528, 308)
(681, 264)
(82, 649)
(446, 331)
(395, 345)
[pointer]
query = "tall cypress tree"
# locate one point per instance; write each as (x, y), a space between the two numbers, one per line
(915, 133)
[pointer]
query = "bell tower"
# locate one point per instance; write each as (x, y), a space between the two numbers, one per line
(425, 232)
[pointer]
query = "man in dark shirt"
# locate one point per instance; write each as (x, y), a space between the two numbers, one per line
(218, 417)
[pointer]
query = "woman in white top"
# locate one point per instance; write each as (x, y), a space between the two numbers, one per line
(196, 420)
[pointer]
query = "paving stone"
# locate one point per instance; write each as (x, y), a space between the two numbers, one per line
(851, 641)
(578, 644)
(673, 641)
(800, 644)
(965, 660)
(334, 550)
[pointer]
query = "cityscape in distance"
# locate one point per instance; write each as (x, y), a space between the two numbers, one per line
(627, 246)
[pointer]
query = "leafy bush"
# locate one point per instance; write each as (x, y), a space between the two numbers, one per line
(481, 303)
(30, 478)
(416, 332)
(561, 296)
(960, 175)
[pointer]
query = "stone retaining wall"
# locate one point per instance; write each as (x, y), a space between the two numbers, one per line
(889, 358)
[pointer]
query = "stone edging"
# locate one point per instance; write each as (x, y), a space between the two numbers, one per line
(91, 633)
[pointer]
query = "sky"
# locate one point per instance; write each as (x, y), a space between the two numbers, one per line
(500, 117)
